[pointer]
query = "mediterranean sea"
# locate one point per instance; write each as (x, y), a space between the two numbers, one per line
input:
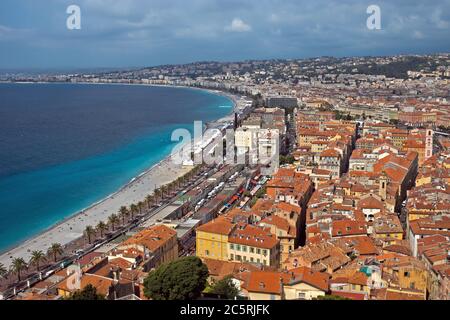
(64, 147)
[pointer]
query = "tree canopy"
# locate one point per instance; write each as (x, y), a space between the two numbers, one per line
(183, 279)
(225, 288)
(89, 293)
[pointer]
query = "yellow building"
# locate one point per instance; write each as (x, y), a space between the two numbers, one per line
(212, 239)
(407, 273)
(319, 146)
(388, 228)
(255, 245)
(416, 146)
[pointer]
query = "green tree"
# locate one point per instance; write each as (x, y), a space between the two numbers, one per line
(113, 220)
(37, 257)
(184, 279)
(158, 194)
(140, 207)
(164, 190)
(18, 265)
(89, 232)
(3, 271)
(289, 159)
(149, 200)
(55, 250)
(124, 213)
(89, 293)
(101, 227)
(225, 288)
(134, 210)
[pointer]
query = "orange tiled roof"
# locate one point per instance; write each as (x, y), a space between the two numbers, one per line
(152, 238)
(253, 236)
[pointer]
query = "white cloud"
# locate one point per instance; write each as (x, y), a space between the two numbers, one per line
(418, 35)
(438, 21)
(7, 33)
(237, 25)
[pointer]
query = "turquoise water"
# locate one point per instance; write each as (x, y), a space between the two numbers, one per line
(40, 185)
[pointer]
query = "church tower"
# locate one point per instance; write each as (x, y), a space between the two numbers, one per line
(383, 186)
(429, 144)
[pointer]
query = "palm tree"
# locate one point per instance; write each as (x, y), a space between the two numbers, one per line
(3, 271)
(163, 192)
(169, 188)
(123, 213)
(158, 193)
(140, 207)
(149, 200)
(101, 227)
(134, 209)
(188, 176)
(178, 182)
(89, 232)
(113, 220)
(182, 180)
(37, 257)
(55, 250)
(17, 266)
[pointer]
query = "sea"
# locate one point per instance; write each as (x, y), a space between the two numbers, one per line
(64, 147)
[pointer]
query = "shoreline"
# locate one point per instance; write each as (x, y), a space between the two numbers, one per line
(72, 227)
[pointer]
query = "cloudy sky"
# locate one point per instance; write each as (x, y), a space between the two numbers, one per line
(125, 33)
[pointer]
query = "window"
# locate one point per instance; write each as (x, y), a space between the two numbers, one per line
(406, 274)
(252, 250)
(252, 260)
(258, 260)
(265, 252)
(232, 256)
(231, 246)
(238, 247)
(244, 248)
(206, 252)
(302, 295)
(258, 251)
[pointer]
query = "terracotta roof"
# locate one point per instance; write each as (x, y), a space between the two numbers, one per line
(370, 203)
(221, 225)
(357, 278)
(268, 282)
(318, 280)
(348, 228)
(220, 269)
(102, 284)
(330, 153)
(152, 238)
(253, 236)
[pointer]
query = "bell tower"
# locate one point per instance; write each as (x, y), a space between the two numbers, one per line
(429, 144)
(383, 186)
